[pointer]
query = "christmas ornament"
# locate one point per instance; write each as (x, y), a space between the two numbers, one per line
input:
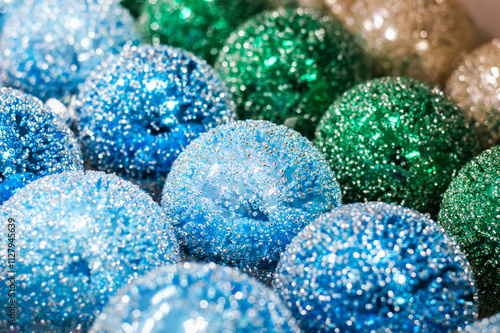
(420, 38)
(376, 267)
(288, 66)
(51, 46)
(469, 212)
(78, 237)
(196, 25)
(140, 110)
(396, 140)
(487, 325)
(134, 6)
(238, 194)
(475, 85)
(195, 298)
(33, 143)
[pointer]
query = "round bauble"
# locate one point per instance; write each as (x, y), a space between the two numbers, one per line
(288, 66)
(422, 39)
(33, 142)
(475, 85)
(142, 108)
(51, 46)
(396, 140)
(78, 237)
(376, 267)
(239, 194)
(194, 298)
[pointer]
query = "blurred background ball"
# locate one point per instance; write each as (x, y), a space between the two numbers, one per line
(50, 46)
(142, 108)
(469, 212)
(79, 237)
(240, 193)
(195, 298)
(288, 66)
(475, 85)
(33, 142)
(396, 140)
(199, 26)
(422, 39)
(376, 267)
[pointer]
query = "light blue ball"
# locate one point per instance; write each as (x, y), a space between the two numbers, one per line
(33, 142)
(376, 267)
(240, 193)
(51, 46)
(195, 298)
(79, 237)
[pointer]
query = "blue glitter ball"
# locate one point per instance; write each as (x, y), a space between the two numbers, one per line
(195, 298)
(50, 46)
(487, 325)
(239, 194)
(376, 267)
(78, 238)
(33, 142)
(140, 110)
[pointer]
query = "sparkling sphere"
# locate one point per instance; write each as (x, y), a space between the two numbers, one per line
(376, 267)
(475, 85)
(78, 238)
(199, 26)
(142, 108)
(422, 39)
(33, 142)
(470, 211)
(51, 46)
(195, 298)
(239, 194)
(396, 140)
(487, 325)
(288, 66)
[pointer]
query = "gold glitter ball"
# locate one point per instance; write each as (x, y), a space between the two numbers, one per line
(422, 39)
(475, 85)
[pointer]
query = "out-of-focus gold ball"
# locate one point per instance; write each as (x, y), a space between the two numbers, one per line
(475, 85)
(422, 39)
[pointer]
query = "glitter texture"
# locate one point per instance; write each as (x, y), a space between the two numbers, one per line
(139, 111)
(487, 325)
(288, 66)
(199, 26)
(422, 39)
(376, 267)
(241, 192)
(50, 46)
(470, 211)
(195, 298)
(33, 143)
(79, 237)
(396, 140)
(475, 85)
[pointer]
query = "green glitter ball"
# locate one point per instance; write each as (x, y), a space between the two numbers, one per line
(134, 6)
(396, 140)
(288, 66)
(471, 212)
(199, 26)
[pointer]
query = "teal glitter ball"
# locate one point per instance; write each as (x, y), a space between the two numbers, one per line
(199, 26)
(396, 140)
(289, 65)
(470, 211)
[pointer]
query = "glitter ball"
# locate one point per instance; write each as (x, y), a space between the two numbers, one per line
(195, 298)
(487, 325)
(376, 267)
(33, 142)
(422, 39)
(288, 66)
(475, 85)
(199, 26)
(470, 211)
(141, 109)
(51, 46)
(239, 194)
(396, 140)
